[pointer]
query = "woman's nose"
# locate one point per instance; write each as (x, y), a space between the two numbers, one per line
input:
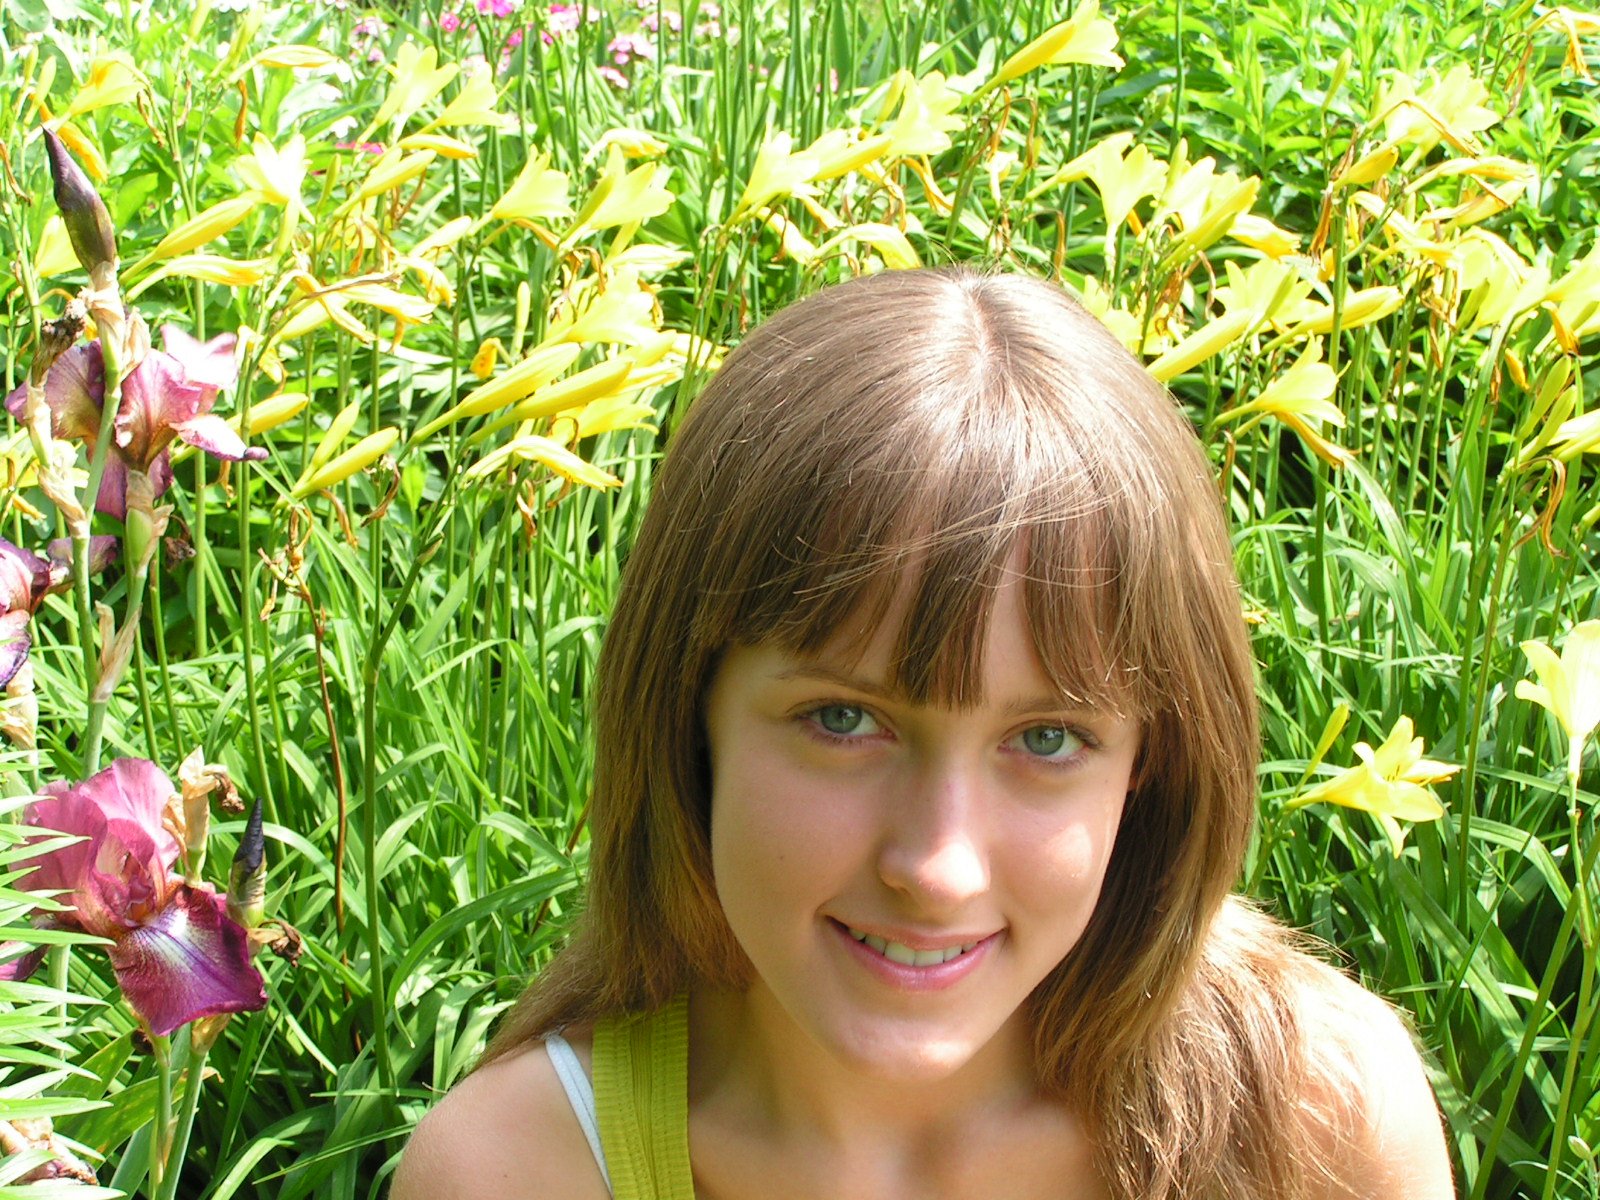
(934, 849)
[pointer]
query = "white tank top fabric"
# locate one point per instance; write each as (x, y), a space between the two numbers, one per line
(580, 1094)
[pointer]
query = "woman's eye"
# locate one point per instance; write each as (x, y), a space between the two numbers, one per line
(844, 720)
(1050, 741)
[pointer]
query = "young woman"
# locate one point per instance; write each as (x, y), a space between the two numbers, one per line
(926, 752)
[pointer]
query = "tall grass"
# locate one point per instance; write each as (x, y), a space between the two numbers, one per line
(398, 666)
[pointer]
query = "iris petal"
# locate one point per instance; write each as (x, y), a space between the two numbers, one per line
(189, 961)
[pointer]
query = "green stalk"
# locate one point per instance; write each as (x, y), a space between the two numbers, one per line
(95, 719)
(160, 1143)
(193, 1080)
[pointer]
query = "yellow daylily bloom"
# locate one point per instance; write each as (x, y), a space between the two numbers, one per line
(1568, 685)
(1449, 109)
(611, 413)
(1207, 204)
(1210, 339)
(1124, 326)
(840, 151)
(432, 247)
(1404, 232)
(474, 104)
(622, 314)
(1392, 783)
(537, 194)
(358, 458)
(1299, 399)
(925, 121)
(792, 243)
(278, 174)
(1086, 37)
(528, 376)
(291, 55)
(86, 151)
(1498, 282)
(1360, 308)
(440, 144)
(1575, 296)
(1369, 168)
(777, 172)
(611, 378)
(1261, 234)
(205, 226)
(635, 143)
(622, 196)
(1121, 179)
(212, 268)
(487, 355)
(1271, 290)
(111, 80)
(53, 255)
(646, 258)
(542, 450)
(395, 169)
(1000, 164)
(889, 242)
(418, 78)
(338, 429)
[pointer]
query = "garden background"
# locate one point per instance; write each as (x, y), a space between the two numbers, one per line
(453, 272)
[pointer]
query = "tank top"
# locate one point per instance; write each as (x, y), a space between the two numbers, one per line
(640, 1101)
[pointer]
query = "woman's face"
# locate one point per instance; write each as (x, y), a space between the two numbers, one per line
(901, 876)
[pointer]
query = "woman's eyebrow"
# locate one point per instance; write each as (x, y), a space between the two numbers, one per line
(1054, 706)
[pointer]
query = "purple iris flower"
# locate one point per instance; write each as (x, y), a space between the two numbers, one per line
(168, 395)
(176, 953)
(24, 580)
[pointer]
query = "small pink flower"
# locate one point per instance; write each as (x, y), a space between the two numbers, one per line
(614, 77)
(496, 8)
(626, 47)
(674, 22)
(514, 40)
(450, 22)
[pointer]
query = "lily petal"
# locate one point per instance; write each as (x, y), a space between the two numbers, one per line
(190, 961)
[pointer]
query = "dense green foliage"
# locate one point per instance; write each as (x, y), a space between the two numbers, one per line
(395, 661)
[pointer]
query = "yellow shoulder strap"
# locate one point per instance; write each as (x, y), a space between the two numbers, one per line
(641, 1087)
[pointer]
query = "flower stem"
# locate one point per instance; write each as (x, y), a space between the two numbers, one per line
(95, 718)
(159, 1141)
(194, 1078)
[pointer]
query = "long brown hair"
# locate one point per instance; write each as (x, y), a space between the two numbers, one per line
(910, 430)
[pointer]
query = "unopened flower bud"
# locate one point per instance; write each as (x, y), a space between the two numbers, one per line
(146, 521)
(247, 878)
(88, 223)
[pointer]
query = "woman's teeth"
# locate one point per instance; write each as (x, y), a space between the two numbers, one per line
(900, 953)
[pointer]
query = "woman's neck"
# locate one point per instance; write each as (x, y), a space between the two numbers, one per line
(748, 1056)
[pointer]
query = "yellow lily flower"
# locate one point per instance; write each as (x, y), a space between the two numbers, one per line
(1121, 179)
(394, 170)
(474, 104)
(487, 355)
(537, 194)
(1299, 398)
(432, 247)
(1124, 326)
(440, 144)
(777, 172)
(925, 121)
(528, 376)
(1392, 783)
(213, 268)
(111, 81)
(624, 196)
(278, 174)
(635, 143)
(614, 412)
(1499, 284)
(622, 314)
(889, 242)
(203, 227)
(289, 55)
(1451, 109)
(1360, 308)
(1369, 168)
(418, 78)
(1574, 299)
(1205, 203)
(792, 243)
(1086, 37)
(87, 152)
(1261, 234)
(840, 151)
(358, 458)
(533, 448)
(1569, 686)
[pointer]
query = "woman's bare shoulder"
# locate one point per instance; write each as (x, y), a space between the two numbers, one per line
(1385, 1136)
(506, 1132)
